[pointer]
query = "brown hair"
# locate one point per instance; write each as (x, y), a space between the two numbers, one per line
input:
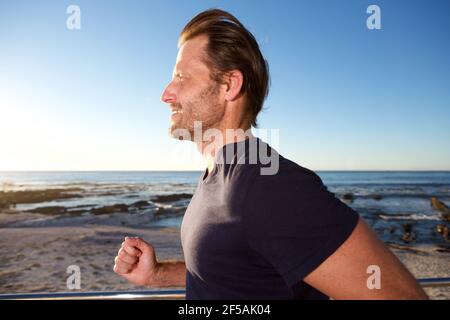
(231, 46)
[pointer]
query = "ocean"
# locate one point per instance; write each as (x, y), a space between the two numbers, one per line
(392, 202)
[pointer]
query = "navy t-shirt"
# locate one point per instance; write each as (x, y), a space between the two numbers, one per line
(248, 235)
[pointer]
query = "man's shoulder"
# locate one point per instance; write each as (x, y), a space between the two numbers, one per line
(257, 163)
(289, 177)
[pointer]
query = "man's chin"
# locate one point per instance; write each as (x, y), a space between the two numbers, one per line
(178, 132)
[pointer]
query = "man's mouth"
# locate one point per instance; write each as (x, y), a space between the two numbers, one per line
(175, 114)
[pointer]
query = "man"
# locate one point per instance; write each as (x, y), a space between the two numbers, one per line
(247, 234)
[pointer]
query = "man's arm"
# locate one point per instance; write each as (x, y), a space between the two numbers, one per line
(344, 274)
(169, 274)
(136, 262)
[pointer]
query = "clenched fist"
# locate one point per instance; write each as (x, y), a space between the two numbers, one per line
(136, 261)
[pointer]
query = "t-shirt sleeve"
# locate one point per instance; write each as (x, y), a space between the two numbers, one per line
(294, 222)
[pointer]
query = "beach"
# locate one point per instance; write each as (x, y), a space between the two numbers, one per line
(36, 259)
(49, 222)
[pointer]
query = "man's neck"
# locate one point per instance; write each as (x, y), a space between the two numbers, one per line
(209, 146)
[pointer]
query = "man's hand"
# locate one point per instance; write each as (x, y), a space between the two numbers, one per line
(136, 261)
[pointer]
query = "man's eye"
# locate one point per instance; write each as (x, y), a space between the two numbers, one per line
(179, 77)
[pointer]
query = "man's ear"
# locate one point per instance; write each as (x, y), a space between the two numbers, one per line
(234, 81)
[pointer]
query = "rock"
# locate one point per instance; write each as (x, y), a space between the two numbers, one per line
(442, 207)
(53, 210)
(160, 212)
(443, 249)
(348, 197)
(445, 216)
(76, 212)
(172, 197)
(408, 234)
(409, 237)
(407, 227)
(110, 209)
(438, 205)
(377, 197)
(140, 204)
(444, 231)
(11, 198)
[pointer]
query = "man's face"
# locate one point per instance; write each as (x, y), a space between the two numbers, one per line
(192, 94)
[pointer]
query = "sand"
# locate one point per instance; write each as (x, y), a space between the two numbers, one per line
(36, 259)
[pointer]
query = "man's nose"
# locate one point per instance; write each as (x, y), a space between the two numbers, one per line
(168, 95)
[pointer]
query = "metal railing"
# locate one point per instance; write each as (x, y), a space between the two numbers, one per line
(163, 294)
(434, 282)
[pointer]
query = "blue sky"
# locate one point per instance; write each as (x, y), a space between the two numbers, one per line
(342, 96)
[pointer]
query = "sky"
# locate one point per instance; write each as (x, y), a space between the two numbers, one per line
(342, 96)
